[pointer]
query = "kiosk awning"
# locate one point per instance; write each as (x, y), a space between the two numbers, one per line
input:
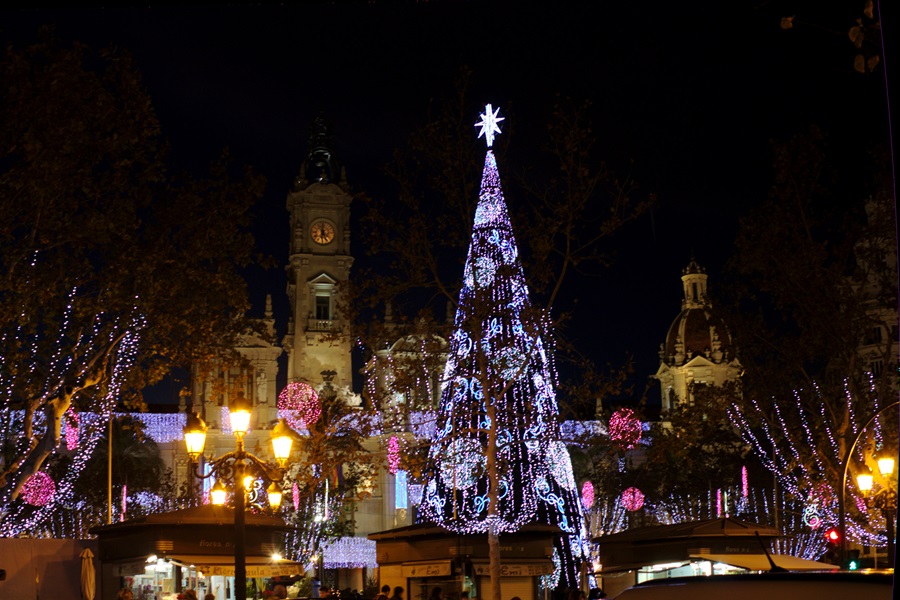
(759, 562)
(257, 566)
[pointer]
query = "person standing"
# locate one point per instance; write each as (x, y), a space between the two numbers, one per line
(398, 593)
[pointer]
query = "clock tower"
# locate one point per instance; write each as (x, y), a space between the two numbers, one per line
(318, 336)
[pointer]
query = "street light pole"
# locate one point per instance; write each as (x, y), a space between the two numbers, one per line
(842, 492)
(233, 466)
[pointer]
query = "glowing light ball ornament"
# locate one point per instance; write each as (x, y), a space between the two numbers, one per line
(633, 499)
(625, 428)
(298, 404)
(587, 494)
(39, 489)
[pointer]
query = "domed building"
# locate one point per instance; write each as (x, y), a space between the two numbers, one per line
(698, 347)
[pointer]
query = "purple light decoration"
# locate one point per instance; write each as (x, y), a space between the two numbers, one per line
(39, 489)
(587, 494)
(71, 429)
(745, 485)
(295, 493)
(393, 455)
(633, 499)
(299, 404)
(719, 502)
(625, 428)
(803, 453)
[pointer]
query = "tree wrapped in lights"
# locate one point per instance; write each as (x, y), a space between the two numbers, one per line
(335, 473)
(97, 259)
(802, 442)
(496, 462)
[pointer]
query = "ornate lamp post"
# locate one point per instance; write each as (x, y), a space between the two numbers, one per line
(883, 498)
(842, 491)
(233, 467)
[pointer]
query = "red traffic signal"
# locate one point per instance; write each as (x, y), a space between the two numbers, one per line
(833, 536)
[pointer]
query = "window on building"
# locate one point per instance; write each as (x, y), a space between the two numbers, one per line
(876, 367)
(874, 335)
(400, 487)
(323, 308)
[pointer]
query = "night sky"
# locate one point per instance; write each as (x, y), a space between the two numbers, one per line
(692, 93)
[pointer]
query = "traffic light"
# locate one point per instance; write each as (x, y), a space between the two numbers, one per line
(852, 563)
(832, 546)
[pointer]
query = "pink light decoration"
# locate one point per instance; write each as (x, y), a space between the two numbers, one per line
(745, 485)
(587, 494)
(719, 502)
(39, 489)
(124, 503)
(71, 430)
(295, 492)
(299, 404)
(633, 499)
(393, 455)
(625, 428)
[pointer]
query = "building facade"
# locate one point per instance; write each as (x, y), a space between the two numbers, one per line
(698, 349)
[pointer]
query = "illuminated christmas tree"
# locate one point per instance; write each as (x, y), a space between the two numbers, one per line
(496, 462)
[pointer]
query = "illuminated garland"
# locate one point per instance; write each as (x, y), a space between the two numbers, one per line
(501, 354)
(393, 454)
(349, 553)
(70, 424)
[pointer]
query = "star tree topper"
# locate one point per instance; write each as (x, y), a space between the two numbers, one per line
(488, 124)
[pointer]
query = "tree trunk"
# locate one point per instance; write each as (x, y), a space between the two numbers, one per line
(493, 497)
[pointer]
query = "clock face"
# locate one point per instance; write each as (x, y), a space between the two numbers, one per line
(322, 232)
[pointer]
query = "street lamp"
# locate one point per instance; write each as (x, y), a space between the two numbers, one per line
(845, 462)
(233, 466)
(883, 498)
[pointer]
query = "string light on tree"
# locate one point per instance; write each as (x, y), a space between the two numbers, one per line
(393, 454)
(22, 517)
(802, 451)
(71, 424)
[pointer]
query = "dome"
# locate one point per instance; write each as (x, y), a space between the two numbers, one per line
(696, 331)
